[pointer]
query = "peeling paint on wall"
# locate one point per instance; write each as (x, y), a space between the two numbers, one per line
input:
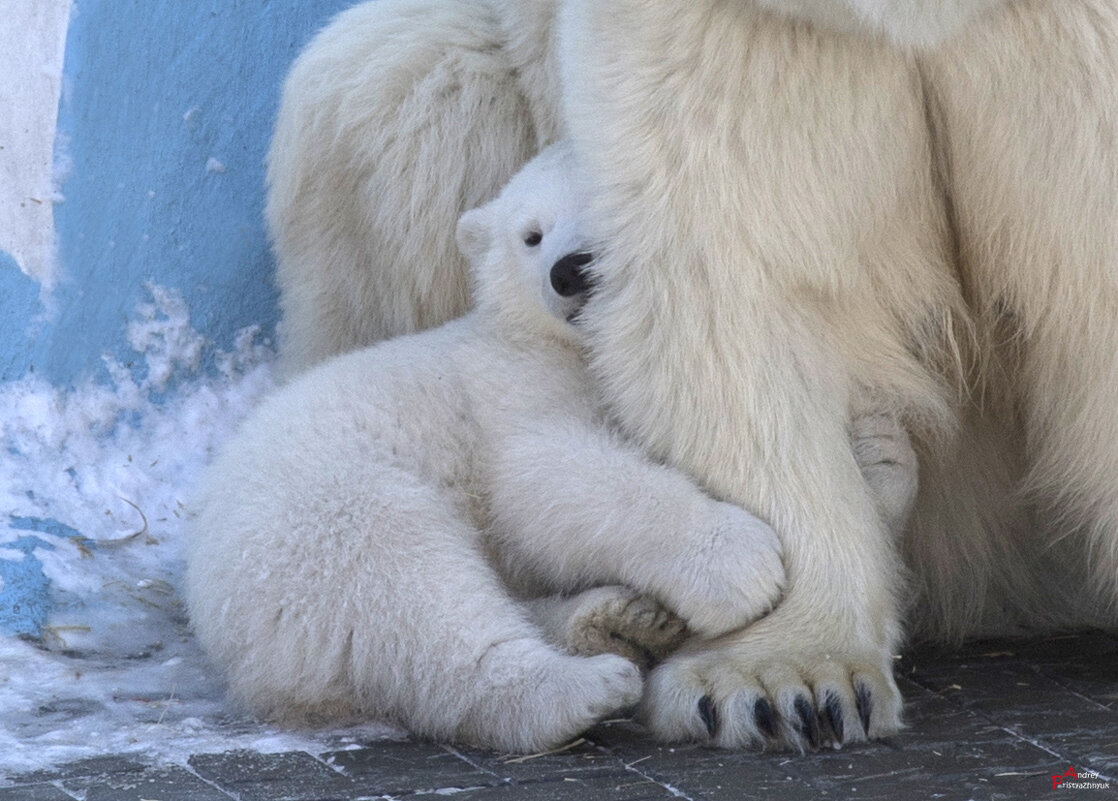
(31, 63)
(129, 359)
(165, 116)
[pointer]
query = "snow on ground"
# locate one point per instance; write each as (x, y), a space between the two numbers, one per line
(96, 656)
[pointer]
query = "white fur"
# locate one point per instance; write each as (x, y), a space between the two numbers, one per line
(370, 167)
(344, 551)
(922, 23)
(775, 325)
(370, 154)
(815, 210)
(1025, 120)
(863, 181)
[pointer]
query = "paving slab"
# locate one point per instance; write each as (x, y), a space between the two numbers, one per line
(103, 768)
(992, 721)
(152, 784)
(396, 768)
(580, 759)
(292, 776)
(34, 792)
(620, 787)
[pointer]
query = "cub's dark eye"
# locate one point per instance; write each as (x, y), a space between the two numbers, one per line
(533, 238)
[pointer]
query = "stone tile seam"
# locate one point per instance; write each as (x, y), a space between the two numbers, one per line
(631, 768)
(335, 768)
(675, 791)
(1036, 742)
(58, 785)
(1041, 745)
(1063, 684)
(190, 769)
(475, 765)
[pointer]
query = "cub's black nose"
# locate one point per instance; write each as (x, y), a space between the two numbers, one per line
(567, 276)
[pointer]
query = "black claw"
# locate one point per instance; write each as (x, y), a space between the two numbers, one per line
(765, 717)
(832, 713)
(864, 701)
(809, 722)
(709, 713)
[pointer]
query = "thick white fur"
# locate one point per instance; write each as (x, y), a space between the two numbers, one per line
(860, 182)
(370, 154)
(371, 166)
(1024, 114)
(340, 564)
(922, 23)
(814, 208)
(758, 285)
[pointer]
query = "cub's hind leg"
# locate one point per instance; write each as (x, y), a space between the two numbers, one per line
(362, 592)
(464, 662)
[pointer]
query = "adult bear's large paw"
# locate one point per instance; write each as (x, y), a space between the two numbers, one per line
(737, 695)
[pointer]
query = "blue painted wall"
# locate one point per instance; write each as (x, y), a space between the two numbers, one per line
(166, 113)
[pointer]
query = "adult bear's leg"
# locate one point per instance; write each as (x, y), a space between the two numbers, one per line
(397, 117)
(776, 254)
(1027, 106)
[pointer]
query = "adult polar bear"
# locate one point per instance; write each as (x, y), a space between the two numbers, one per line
(808, 202)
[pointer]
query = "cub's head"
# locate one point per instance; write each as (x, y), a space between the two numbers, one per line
(527, 248)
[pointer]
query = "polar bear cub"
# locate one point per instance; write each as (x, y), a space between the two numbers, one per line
(356, 544)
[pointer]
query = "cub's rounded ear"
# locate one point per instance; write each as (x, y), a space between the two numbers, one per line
(474, 238)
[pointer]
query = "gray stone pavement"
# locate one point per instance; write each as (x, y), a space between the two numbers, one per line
(995, 720)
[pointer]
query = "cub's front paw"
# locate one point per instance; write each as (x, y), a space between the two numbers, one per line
(730, 576)
(619, 620)
(754, 695)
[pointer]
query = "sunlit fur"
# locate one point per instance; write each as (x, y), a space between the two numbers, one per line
(372, 163)
(921, 23)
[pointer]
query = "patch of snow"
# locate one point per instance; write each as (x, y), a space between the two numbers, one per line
(96, 486)
(161, 331)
